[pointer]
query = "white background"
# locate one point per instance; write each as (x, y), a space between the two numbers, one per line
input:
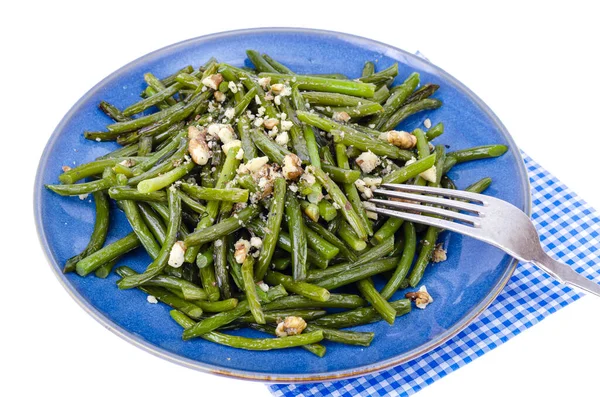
(536, 66)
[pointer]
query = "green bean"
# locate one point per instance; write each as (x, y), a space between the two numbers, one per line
(355, 112)
(80, 189)
(157, 266)
(357, 273)
(271, 149)
(188, 290)
(217, 307)
(240, 342)
(158, 86)
(194, 106)
(341, 175)
(90, 169)
(225, 171)
(396, 99)
(98, 236)
(220, 248)
(205, 258)
(304, 82)
(336, 76)
(163, 167)
(191, 203)
(344, 251)
(427, 247)
(410, 246)
(352, 137)
(479, 186)
(145, 146)
(449, 163)
(379, 251)
(205, 193)
(279, 68)
(348, 234)
(381, 95)
(209, 281)
(163, 295)
(440, 156)
(309, 133)
(220, 319)
(160, 154)
(368, 290)
(129, 193)
(368, 69)
(170, 80)
(345, 337)
(301, 288)
(479, 152)
(435, 131)
(112, 111)
(187, 80)
(148, 92)
(350, 190)
(327, 210)
(280, 264)
(340, 199)
(409, 110)
(296, 133)
(106, 254)
(273, 317)
(164, 180)
(310, 210)
(152, 100)
(104, 270)
(298, 236)
(327, 156)
(250, 289)
(315, 348)
(154, 222)
(340, 301)
(243, 129)
(410, 171)
(387, 230)
(321, 246)
(223, 228)
(364, 315)
(423, 92)
(273, 225)
(398, 246)
(259, 62)
(448, 183)
(240, 107)
(333, 99)
(139, 227)
(383, 76)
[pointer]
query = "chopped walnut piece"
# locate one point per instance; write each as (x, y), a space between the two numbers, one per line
(242, 247)
(292, 167)
(277, 88)
(402, 139)
(367, 161)
(270, 123)
(421, 297)
(198, 148)
(291, 325)
(66, 168)
(439, 254)
(341, 116)
(219, 96)
(176, 256)
(213, 81)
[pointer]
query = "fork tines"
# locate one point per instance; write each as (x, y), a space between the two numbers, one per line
(430, 202)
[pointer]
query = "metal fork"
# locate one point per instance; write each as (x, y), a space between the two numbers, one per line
(485, 218)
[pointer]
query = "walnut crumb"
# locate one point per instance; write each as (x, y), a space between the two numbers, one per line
(420, 297)
(291, 325)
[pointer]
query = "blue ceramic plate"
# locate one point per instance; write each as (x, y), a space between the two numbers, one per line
(463, 286)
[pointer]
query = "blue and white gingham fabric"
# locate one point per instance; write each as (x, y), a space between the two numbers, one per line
(569, 229)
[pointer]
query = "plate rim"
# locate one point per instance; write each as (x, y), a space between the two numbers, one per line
(250, 375)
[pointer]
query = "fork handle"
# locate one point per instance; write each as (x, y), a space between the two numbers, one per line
(565, 274)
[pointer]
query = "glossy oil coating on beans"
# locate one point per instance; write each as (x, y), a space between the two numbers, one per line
(249, 190)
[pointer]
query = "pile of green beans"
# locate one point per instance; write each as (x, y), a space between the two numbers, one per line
(233, 244)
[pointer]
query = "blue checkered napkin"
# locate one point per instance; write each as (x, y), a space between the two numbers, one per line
(569, 229)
